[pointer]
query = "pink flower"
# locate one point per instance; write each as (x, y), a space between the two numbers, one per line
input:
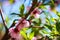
(14, 31)
(36, 12)
(36, 15)
(14, 34)
(26, 23)
(34, 38)
(22, 23)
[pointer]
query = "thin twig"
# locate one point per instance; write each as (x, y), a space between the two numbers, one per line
(6, 35)
(3, 19)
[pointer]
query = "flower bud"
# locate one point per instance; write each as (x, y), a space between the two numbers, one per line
(13, 34)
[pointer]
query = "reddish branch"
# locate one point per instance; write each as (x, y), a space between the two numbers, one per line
(34, 5)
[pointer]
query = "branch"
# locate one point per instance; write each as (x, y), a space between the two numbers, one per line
(3, 19)
(34, 5)
(6, 35)
(13, 24)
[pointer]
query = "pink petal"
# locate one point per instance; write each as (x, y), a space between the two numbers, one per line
(36, 15)
(27, 24)
(13, 34)
(23, 24)
(34, 38)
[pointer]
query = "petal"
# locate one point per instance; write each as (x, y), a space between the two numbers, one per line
(34, 38)
(36, 15)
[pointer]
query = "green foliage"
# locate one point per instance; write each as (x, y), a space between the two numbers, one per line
(7, 19)
(1, 27)
(58, 26)
(36, 31)
(36, 22)
(23, 34)
(16, 14)
(31, 35)
(49, 26)
(11, 1)
(22, 10)
(27, 33)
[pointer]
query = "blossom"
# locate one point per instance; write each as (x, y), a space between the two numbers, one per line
(26, 23)
(36, 12)
(13, 33)
(34, 38)
(36, 15)
(22, 23)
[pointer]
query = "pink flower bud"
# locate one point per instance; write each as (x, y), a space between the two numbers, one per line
(26, 23)
(36, 12)
(28, 8)
(22, 23)
(36, 15)
(13, 34)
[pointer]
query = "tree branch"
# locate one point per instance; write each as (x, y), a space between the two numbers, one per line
(34, 5)
(3, 19)
(6, 35)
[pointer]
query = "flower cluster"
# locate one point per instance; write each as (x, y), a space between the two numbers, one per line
(23, 23)
(14, 31)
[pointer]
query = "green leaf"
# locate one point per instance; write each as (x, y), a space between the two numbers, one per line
(58, 13)
(23, 34)
(7, 19)
(37, 22)
(22, 9)
(42, 6)
(31, 35)
(13, 23)
(16, 14)
(49, 26)
(52, 4)
(36, 31)
(1, 27)
(11, 1)
(58, 26)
